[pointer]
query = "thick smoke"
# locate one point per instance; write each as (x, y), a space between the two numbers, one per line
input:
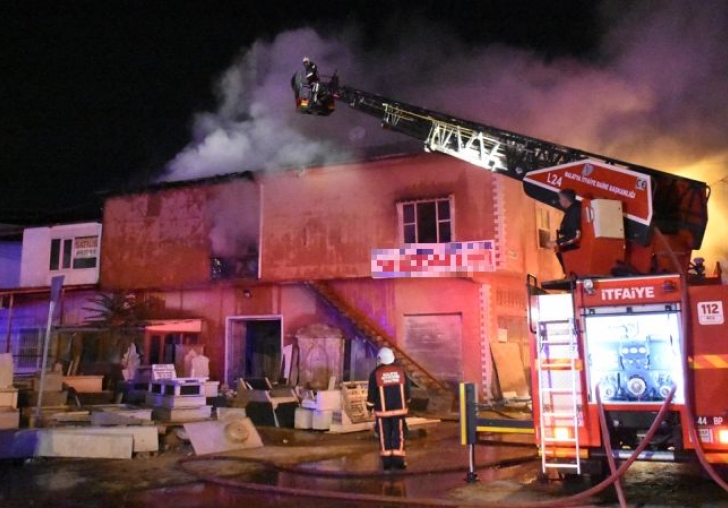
(654, 94)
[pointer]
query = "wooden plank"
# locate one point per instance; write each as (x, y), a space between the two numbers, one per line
(508, 364)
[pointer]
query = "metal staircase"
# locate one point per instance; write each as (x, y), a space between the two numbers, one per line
(559, 395)
(441, 395)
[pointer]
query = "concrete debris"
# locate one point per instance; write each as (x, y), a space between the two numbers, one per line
(223, 436)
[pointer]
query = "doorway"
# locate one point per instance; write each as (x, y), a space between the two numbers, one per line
(253, 346)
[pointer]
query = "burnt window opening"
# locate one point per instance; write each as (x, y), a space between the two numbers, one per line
(234, 267)
(426, 221)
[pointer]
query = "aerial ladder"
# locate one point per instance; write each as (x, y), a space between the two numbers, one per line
(661, 211)
(639, 228)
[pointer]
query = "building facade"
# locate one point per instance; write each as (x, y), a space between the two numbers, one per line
(243, 254)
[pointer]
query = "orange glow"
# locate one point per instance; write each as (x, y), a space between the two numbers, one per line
(723, 436)
(562, 433)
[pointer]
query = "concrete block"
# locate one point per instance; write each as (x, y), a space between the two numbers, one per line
(328, 400)
(6, 370)
(69, 443)
(322, 420)
(303, 418)
(226, 413)
(8, 397)
(146, 437)
(223, 436)
(172, 401)
(178, 386)
(9, 418)
(212, 388)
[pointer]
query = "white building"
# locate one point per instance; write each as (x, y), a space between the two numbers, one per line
(71, 250)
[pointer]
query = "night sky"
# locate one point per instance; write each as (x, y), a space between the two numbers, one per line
(99, 96)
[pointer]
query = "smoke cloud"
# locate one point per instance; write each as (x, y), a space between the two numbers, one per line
(654, 93)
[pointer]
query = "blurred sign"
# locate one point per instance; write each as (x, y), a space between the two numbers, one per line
(85, 246)
(456, 259)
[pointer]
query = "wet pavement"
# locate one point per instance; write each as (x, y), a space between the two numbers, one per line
(339, 464)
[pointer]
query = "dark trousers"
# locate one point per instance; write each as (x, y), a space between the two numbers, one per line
(391, 441)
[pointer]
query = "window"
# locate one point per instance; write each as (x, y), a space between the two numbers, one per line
(79, 252)
(426, 221)
(543, 223)
(27, 349)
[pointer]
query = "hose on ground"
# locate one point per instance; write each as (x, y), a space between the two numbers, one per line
(445, 503)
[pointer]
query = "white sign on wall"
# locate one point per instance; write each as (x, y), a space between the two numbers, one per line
(710, 313)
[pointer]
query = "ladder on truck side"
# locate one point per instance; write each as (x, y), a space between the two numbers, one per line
(559, 394)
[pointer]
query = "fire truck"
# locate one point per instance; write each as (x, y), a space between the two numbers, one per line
(636, 328)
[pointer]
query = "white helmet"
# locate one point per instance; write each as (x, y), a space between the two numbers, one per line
(385, 356)
(306, 59)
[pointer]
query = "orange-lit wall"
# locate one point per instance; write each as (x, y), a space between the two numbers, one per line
(164, 238)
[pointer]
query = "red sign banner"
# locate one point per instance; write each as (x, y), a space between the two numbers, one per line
(593, 179)
(630, 291)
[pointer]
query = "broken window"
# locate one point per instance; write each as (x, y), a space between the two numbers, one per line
(426, 221)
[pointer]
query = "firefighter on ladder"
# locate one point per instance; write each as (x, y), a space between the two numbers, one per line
(312, 77)
(388, 396)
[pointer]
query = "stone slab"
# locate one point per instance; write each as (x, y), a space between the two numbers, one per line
(84, 384)
(181, 415)
(223, 436)
(6, 370)
(119, 414)
(69, 443)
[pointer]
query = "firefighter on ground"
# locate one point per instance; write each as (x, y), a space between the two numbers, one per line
(312, 77)
(388, 397)
(569, 234)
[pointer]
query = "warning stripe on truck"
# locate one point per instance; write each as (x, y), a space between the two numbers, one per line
(708, 362)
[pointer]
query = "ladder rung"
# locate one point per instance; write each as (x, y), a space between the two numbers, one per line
(560, 414)
(556, 464)
(559, 390)
(557, 440)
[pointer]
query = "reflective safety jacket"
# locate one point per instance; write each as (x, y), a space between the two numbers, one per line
(389, 391)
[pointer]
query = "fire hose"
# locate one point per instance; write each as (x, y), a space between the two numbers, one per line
(615, 476)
